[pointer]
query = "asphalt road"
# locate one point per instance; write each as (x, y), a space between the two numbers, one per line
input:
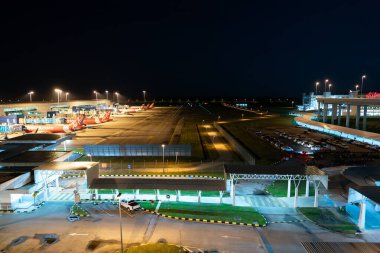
(145, 127)
(103, 228)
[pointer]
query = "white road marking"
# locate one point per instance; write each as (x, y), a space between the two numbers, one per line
(74, 234)
(227, 236)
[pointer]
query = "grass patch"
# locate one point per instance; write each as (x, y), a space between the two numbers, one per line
(280, 189)
(155, 248)
(148, 192)
(210, 212)
(190, 135)
(208, 145)
(148, 205)
(329, 219)
(77, 210)
(106, 191)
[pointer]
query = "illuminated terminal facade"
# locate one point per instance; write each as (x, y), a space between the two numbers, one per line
(312, 102)
(42, 108)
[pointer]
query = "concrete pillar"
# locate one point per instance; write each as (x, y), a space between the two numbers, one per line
(316, 186)
(289, 188)
(357, 123)
(57, 184)
(348, 115)
(296, 196)
(361, 221)
(178, 195)
(232, 193)
(325, 107)
(307, 188)
(220, 197)
(365, 117)
(199, 196)
(46, 193)
(333, 113)
(157, 194)
(137, 193)
(339, 114)
(76, 184)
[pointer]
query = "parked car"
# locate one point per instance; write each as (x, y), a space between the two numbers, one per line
(130, 205)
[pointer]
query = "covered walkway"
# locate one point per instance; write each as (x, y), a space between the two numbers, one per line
(291, 171)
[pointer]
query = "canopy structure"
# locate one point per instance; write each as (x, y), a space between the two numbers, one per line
(292, 171)
(67, 166)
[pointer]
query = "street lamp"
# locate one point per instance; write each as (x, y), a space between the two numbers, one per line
(326, 81)
(117, 97)
(121, 225)
(361, 87)
(96, 95)
(316, 88)
(107, 94)
(58, 93)
(30, 95)
(330, 87)
(144, 91)
(163, 158)
(67, 95)
(356, 87)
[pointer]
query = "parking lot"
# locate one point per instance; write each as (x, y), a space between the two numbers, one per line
(299, 140)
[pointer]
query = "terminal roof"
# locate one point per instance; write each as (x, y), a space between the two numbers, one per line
(5, 176)
(65, 166)
(36, 156)
(347, 247)
(371, 192)
(40, 138)
(193, 184)
(363, 176)
(288, 168)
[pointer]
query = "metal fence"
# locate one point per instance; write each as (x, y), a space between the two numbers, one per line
(138, 150)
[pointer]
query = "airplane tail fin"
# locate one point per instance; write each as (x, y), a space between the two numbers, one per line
(106, 116)
(78, 122)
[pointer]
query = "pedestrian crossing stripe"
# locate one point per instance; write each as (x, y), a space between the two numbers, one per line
(62, 196)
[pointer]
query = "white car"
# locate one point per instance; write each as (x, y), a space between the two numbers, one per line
(130, 205)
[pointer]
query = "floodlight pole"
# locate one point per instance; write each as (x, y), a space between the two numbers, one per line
(163, 158)
(121, 225)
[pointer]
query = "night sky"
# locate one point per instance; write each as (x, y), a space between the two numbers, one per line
(188, 48)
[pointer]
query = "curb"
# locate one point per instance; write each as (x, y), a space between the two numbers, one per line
(204, 220)
(71, 177)
(290, 221)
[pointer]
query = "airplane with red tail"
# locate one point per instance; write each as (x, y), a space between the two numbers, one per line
(76, 125)
(95, 120)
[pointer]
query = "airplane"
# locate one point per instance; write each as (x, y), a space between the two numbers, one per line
(95, 120)
(56, 128)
